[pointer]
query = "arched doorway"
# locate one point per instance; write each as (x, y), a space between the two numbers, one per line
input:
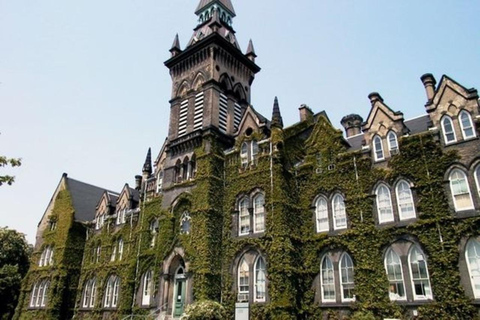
(179, 292)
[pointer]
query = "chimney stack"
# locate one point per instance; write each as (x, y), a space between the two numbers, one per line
(138, 182)
(352, 124)
(429, 83)
(374, 97)
(305, 112)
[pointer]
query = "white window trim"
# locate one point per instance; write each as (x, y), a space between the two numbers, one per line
(256, 213)
(476, 293)
(415, 297)
(401, 272)
(335, 226)
(476, 174)
(255, 280)
(317, 212)
(244, 155)
(474, 135)
(394, 134)
(321, 280)
(245, 199)
(375, 148)
(340, 276)
(392, 218)
(243, 292)
(445, 133)
(471, 207)
(400, 216)
(147, 288)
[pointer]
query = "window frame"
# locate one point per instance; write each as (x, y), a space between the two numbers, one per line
(412, 280)
(395, 281)
(389, 141)
(378, 148)
(244, 155)
(401, 216)
(326, 217)
(444, 131)
(110, 299)
(243, 212)
(243, 273)
(257, 212)
(467, 185)
(470, 122)
(322, 284)
(147, 288)
(343, 258)
(343, 210)
(391, 217)
(256, 280)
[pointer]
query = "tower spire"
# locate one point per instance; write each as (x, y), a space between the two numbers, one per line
(175, 46)
(205, 4)
(147, 166)
(277, 120)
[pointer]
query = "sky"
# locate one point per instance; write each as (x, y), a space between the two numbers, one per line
(83, 88)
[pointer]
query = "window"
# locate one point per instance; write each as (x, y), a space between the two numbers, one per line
(244, 217)
(327, 279)
(153, 227)
(472, 255)
(121, 216)
(193, 167)
(251, 278)
(448, 131)
(111, 292)
(89, 293)
(114, 252)
(120, 248)
(147, 288)
(406, 208)
(339, 213)
(419, 274)
(185, 169)
(185, 223)
(384, 204)
(393, 266)
(244, 155)
(98, 253)
(346, 279)
(99, 221)
(259, 213)
(254, 152)
(466, 125)
(39, 296)
(260, 279)
(52, 223)
(160, 181)
(178, 172)
(243, 281)
(46, 258)
(378, 148)
(392, 143)
(477, 179)
(321, 214)
(462, 199)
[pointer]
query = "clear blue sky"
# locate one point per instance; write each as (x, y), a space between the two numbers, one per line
(83, 89)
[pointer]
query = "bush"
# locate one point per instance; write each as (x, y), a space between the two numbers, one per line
(205, 310)
(361, 315)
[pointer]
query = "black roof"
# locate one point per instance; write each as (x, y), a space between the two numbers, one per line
(418, 124)
(84, 198)
(355, 141)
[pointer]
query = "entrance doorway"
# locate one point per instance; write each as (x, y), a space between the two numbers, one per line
(179, 292)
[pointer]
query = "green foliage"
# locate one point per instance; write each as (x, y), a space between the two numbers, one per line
(205, 310)
(13, 162)
(14, 264)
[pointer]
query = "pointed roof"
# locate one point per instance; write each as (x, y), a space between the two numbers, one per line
(250, 49)
(277, 120)
(227, 4)
(147, 167)
(176, 44)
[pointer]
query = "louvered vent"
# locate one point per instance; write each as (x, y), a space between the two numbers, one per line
(182, 121)
(198, 114)
(238, 116)
(222, 115)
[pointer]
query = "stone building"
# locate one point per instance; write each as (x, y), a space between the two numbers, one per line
(298, 222)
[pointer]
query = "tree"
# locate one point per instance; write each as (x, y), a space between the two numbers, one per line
(4, 162)
(14, 264)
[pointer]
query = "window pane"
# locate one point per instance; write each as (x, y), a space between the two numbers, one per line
(393, 266)
(384, 204)
(321, 212)
(419, 274)
(259, 213)
(328, 280)
(405, 201)
(339, 214)
(448, 130)
(244, 217)
(460, 190)
(346, 279)
(377, 143)
(260, 287)
(392, 141)
(466, 123)
(473, 261)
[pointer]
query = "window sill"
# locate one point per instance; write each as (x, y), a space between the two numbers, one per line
(466, 213)
(336, 304)
(457, 142)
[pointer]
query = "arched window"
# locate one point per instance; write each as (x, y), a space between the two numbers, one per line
(460, 190)
(327, 279)
(147, 288)
(259, 213)
(160, 181)
(339, 213)
(419, 274)
(33, 299)
(466, 125)
(114, 252)
(89, 293)
(39, 296)
(193, 167)
(254, 151)
(392, 143)
(384, 204)
(378, 148)
(243, 281)
(178, 172)
(406, 207)
(244, 155)
(111, 292)
(346, 278)
(393, 266)
(98, 253)
(120, 249)
(321, 214)
(244, 217)
(153, 227)
(477, 179)
(185, 223)
(260, 279)
(472, 255)
(448, 130)
(185, 171)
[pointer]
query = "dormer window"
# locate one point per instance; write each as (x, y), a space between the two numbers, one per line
(448, 131)
(99, 221)
(254, 151)
(249, 153)
(121, 216)
(467, 126)
(244, 155)
(392, 143)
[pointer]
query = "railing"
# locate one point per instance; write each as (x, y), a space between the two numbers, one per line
(154, 314)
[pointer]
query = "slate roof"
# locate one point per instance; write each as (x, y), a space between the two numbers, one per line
(226, 3)
(355, 142)
(418, 124)
(135, 194)
(84, 198)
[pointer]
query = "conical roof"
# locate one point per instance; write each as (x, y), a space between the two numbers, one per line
(147, 166)
(277, 120)
(227, 4)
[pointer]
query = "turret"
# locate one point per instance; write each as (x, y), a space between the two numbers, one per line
(352, 124)
(175, 46)
(277, 120)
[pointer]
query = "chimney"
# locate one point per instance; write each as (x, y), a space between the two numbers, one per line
(374, 97)
(138, 182)
(429, 83)
(305, 112)
(352, 124)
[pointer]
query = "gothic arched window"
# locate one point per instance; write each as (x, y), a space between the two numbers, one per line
(460, 190)
(321, 214)
(472, 255)
(419, 274)
(393, 266)
(327, 279)
(339, 212)
(406, 207)
(466, 125)
(392, 143)
(243, 281)
(346, 277)
(185, 223)
(260, 279)
(147, 290)
(384, 204)
(378, 148)
(89, 293)
(243, 217)
(259, 213)
(111, 292)
(448, 130)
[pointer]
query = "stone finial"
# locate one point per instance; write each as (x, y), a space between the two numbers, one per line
(147, 166)
(175, 46)
(251, 55)
(277, 120)
(429, 83)
(352, 124)
(374, 97)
